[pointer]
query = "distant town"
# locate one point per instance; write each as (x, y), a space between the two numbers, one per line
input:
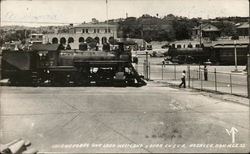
(175, 31)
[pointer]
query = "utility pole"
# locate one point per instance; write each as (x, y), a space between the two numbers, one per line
(248, 55)
(200, 32)
(107, 18)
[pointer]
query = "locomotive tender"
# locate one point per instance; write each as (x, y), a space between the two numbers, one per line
(46, 64)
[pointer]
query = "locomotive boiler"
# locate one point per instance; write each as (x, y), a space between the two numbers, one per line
(46, 64)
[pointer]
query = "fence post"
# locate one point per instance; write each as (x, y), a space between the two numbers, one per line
(199, 71)
(200, 76)
(145, 72)
(197, 74)
(175, 71)
(231, 85)
(188, 68)
(162, 72)
(149, 69)
(192, 82)
(215, 79)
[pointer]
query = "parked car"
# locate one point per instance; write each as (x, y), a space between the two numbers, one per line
(183, 59)
(159, 53)
(208, 62)
(149, 47)
(142, 48)
(167, 62)
(165, 46)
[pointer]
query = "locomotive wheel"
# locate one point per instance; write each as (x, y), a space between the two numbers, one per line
(119, 83)
(13, 82)
(131, 82)
(34, 79)
(103, 83)
(19, 82)
(81, 80)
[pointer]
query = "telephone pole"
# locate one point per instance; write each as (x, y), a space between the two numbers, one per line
(107, 17)
(200, 34)
(248, 55)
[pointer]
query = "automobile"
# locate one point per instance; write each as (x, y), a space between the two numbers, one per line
(165, 46)
(167, 62)
(159, 53)
(142, 48)
(149, 47)
(208, 62)
(183, 59)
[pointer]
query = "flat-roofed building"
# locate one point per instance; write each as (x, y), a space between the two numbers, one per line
(100, 33)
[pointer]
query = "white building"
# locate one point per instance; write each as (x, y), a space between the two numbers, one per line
(36, 38)
(101, 33)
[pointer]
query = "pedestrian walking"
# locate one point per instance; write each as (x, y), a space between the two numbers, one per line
(205, 72)
(183, 79)
(163, 63)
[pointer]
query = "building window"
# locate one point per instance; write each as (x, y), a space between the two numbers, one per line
(94, 30)
(63, 40)
(70, 40)
(98, 30)
(87, 30)
(109, 30)
(81, 39)
(197, 45)
(54, 40)
(104, 40)
(83, 30)
(190, 45)
(97, 39)
(105, 30)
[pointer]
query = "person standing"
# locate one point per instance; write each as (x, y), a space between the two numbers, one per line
(183, 79)
(205, 72)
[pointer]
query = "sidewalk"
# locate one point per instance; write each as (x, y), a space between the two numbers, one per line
(210, 93)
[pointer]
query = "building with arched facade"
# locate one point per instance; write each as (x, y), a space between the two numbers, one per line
(101, 33)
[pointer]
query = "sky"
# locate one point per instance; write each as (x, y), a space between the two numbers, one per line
(51, 12)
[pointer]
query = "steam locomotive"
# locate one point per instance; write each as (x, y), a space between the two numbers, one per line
(48, 64)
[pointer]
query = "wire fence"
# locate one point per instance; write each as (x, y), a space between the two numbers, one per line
(197, 78)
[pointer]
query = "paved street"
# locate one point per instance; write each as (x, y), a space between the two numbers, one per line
(146, 119)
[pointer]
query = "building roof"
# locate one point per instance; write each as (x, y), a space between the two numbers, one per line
(227, 42)
(243, 25)
(88, 25)
(45, 47)
(136, 40)
(206, 27)
(230, 46)
(36, 34)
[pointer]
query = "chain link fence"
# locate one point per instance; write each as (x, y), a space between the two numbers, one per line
(196, 77)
